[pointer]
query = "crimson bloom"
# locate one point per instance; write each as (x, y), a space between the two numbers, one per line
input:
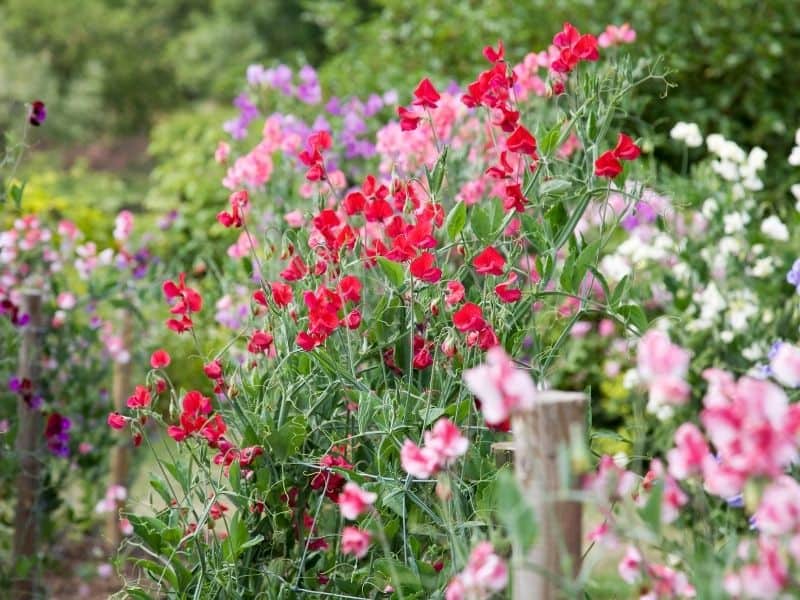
(626, 149)
(160, 359)
(116, 420)
(522, 141)
(469, 318)
(607, 165)
(424, 268)
(495, 56)
(140, 398)
(38, 113)
(489, 262)
(409, 120)
(426, 95)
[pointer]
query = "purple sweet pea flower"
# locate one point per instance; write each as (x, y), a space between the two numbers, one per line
(793, 276)
(334, 106)
(373, 105)
(257, 76)
(57, 434)
(237, 128)
(280, 78)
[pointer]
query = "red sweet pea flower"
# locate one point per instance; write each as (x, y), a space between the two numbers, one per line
(424, 268)
(353, 319)
(116, 420)
(318, 142)
(522, 142)
(239, 202)
(281, 293)
(626, 149)
(354, 203)
(514, 198)
(494, 56)
(260, 341)
(350, 288)
(160, 359)
(296, 270)
(574, 48)
(489, 262)
(607, 165)
(505, 292)
(189, 300)
(140, 398)
(426, 95)
(308, 341)
(213, 370)
(409, 120)
(469, 318)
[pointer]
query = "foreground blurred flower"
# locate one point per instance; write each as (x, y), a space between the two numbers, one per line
(355, 541)
(785, 365)
(484, 574)
(353, 501)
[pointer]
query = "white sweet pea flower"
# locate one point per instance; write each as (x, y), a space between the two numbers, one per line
(688, 133)
(774, 228)
(794, 157)
(764, 267)
(735, 222)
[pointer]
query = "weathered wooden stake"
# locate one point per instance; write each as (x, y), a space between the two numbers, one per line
(30, 434)
(541, 439)
(118, 473)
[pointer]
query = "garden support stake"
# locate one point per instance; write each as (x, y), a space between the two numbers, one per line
(542, 438)
(120, 454)
(29, 452)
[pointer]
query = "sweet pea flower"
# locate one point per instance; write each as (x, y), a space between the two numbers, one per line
(418, 462)
(785, 365)
(353, 501)
(779, 510)
(355, 541)
(500, 386)
(484, 574)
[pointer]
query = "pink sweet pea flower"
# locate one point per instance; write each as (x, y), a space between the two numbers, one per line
(355, 541)
(779, 510)
(418, 462)
(353, 501)
(446, 441)
(484, 574)
(785, 365)
(690, 452)
(500, 386)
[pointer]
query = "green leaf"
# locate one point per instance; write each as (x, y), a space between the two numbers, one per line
(397, 573)
(436, 176)
(586, 258)
(634, 315)
(160, 486)
(456, 220)
(394, 271)
(486, 219)
(514, 512)
(287, 440)
(137, 593)
(16, 192)
(651, 511)
(548, 141)
(553, 187)
(429, 415)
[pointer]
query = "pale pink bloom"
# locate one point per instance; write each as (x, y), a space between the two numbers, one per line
(606, 328)
(580, 329)
(690, 452)
(785, 365)
(242, 246)
(610, 483)
(123, 225)
(753, 429)
(500, 386)
(418, 462)
(455, 293)
(355, 541)
(446, 441)
(613, 36)
(764, 579)
(779, 510)
(353, 501)
(125, 527)
(68, 230)
(673, 497)
(668, 583)
(294, 219)
(337, 179)
(105, 570)
(485, 571)
(222, 152)
(455, 590)
(66, 301)
(656, 357)
(630, 567)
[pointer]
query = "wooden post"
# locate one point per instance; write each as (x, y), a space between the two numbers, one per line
(541, 439)
(30, 434)
(118, 472)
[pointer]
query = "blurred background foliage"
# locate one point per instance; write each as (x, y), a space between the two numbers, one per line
(140, 87)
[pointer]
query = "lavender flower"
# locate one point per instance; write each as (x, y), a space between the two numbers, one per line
(237, 128)
(793, 276)
(280, 78)
(257, 76)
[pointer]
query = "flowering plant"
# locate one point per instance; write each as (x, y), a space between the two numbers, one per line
(372, 290)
